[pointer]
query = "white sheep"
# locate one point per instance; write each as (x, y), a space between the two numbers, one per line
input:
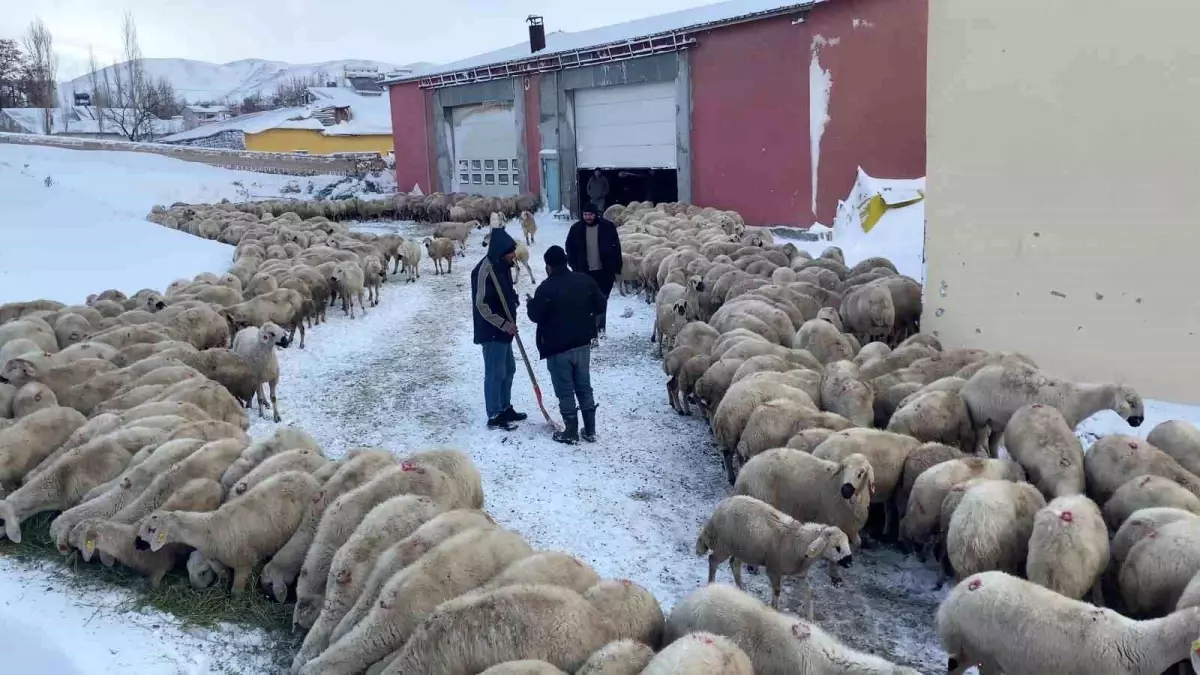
(935, 417)
(1068, 549)
(208, 462)
(1113, 460)
(746, 530)
(117, 541)
(923, 513)
(811, 489)
(1140, 524)
(996, 392)
(349, 280)
(845, 393)
(522, 667)
(990, 529)
(1159, 567)
(31, 398)
(1180, 440)
(243, 531)
(406, 552)
(390, 521)
(355, 470)
(469, 634)
(777, 644)
(1045, 632)
(553, 568)
(33, 438)
(775, 422)
(1038, 437)
(1144, 492)
(410, 256)
(632, 609)
(284, 438)
(257, 347)
(824, 340)
(701, 654)
(620, 657)
(309, 461)
(455, 566)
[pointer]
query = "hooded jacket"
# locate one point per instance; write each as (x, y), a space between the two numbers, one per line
(608, 240)
(486, 309)
(564, 308)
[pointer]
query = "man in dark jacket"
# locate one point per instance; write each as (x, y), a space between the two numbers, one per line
(493, 329)
(564, 309)
(594, 249)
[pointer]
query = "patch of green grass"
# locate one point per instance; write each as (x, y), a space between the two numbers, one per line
(175, 596)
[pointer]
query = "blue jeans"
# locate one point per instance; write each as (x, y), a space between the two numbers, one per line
(499, 366)
(571, 378)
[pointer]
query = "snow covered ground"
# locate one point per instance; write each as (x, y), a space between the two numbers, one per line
(407, 377)
(75, 222)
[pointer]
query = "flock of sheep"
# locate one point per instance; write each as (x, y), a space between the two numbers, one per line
(126, 415)
(827, 402)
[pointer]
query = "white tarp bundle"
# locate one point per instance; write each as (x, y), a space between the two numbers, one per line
(884, 217)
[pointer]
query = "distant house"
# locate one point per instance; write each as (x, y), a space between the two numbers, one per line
(335, 119)
(79, 121)
(198, 115)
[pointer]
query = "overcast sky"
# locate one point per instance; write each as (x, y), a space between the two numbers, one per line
(309, 31)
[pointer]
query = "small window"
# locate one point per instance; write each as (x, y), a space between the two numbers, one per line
(489, 165)
(464, 178)
(489, 179)
(504, 179)
(503, 165)
(477, 179)
(462, 165)
(515, 165)
(516, 179)
(476, 164)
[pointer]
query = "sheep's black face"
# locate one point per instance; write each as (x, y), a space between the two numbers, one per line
(141, 544)
(160, 305)
(847, 490)
(1136, 420)
(846, 562)
(284, 342)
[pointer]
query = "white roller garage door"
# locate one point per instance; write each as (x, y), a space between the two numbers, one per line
(626, 126)
(484, 141)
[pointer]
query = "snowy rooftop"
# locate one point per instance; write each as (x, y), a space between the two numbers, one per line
(208, 108)
(75, 120)
(370, 115)
(561, 41)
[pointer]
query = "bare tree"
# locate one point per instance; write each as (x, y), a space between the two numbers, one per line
(128, 91)
(12, 71)
(99, 101)
(42, 65)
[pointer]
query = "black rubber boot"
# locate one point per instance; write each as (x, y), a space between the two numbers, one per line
(511, 415)
(589, 425)
(570, 434)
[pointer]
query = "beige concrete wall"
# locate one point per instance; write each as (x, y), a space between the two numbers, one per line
(1062, 211)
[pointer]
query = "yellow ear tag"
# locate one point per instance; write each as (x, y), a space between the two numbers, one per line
(161, 538)
(89, 546)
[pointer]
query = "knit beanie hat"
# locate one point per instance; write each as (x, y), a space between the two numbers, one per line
(555, 256)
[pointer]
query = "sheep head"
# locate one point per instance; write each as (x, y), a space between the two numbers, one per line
(153, 533)
(856, 474)
(271, 334)
(1128, 404)
(18, 371)
(833, 545)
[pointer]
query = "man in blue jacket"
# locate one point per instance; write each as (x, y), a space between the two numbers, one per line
(494, 331)
(565, 308)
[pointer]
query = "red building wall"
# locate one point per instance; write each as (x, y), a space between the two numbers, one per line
(413, 139)
(751, 148)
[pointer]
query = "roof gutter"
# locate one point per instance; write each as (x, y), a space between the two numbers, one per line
(536, 63)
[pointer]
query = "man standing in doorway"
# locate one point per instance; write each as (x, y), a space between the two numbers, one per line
(564, 309)
(594, 249)
(494, 331)
(597, 189)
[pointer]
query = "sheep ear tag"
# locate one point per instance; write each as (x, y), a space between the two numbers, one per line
(89, 546)
(161, 538)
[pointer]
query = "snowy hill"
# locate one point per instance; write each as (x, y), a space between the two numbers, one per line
(203, 81)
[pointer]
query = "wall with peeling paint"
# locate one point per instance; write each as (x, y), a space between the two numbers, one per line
(1061, 157)
(784, 112)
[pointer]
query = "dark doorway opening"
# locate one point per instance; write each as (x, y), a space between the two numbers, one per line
(627, 185)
